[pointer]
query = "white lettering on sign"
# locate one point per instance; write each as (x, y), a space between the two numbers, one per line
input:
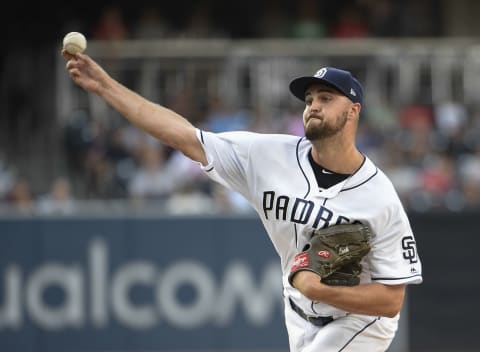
(96, 295)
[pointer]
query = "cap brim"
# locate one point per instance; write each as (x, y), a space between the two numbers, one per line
(299, 85)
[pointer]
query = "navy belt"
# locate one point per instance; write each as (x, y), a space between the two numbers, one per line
(317, 321)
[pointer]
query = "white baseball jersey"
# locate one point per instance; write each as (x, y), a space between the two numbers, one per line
(273, 173)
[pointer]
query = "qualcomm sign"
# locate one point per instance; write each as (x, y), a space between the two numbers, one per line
(94, 294)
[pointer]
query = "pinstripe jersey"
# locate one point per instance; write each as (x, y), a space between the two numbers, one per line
(273, 173)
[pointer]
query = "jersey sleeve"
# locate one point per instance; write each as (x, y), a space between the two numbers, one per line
(228, 156)
(394, 257)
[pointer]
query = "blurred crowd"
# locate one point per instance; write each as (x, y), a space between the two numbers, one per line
(431, 154)
(264, 19)
(430, 151)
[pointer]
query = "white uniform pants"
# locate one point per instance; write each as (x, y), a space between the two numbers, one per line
(352, 333)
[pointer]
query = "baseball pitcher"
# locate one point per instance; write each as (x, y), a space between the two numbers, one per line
(345, 244)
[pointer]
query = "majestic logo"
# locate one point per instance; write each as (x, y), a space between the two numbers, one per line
(324, 254)
(409, 249)
(320, 73)
(343, 250)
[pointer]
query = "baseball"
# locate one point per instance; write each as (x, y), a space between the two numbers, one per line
(74, 42)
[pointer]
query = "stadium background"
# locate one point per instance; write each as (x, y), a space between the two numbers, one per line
(66, 160)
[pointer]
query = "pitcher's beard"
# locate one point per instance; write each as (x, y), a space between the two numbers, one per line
(318, 131)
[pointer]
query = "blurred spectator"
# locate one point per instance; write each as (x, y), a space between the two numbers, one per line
(97, 167)
(116, 147)
(273, 21)
(150, 180)
(222, 118)
(469, 173)
(286, 119)
(417, 135)
(383, 17)
(111, 24)
(307, 22)
(59, 200)
(122, 158)
(370, 140)
(7, 176)
(190, 201)
(229, 201)
(151, 24)
(420, 18)
(438, 175)
(200, 23)
(381, 114)
(21, 198)
(403, 174)
(450, 117)
(351, 23)
(77, 139)
(185, 172)
(438, 187)
(471, 133)
(416, 116)
(186, 101)
(294, 125)
(134, 139)
(100, 177)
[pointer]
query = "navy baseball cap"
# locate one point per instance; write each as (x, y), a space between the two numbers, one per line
(341, 80)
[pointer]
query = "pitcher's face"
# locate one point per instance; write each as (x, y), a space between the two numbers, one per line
(326, 112)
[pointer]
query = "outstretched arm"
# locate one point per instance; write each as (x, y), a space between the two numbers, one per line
(369, 299)
(169, 127)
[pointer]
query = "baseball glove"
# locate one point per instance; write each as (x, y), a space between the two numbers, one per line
(347, 275)
(334, 253)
